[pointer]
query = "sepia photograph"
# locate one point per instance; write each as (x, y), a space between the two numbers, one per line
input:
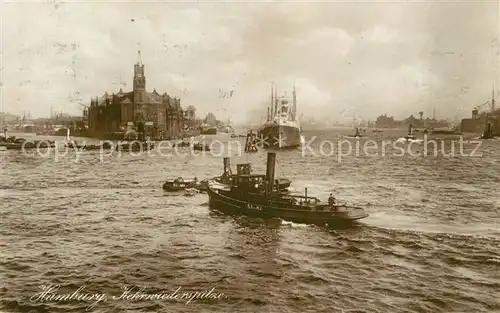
(220, 156)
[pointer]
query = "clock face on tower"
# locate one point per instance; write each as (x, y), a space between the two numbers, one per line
(139, 75)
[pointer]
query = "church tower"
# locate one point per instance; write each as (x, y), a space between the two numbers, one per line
(139, 86)
(139, 78)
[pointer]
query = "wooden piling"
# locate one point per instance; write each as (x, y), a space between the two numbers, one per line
(251, 141)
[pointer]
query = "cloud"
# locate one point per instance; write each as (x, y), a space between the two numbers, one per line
(380, 34)
(372, 58)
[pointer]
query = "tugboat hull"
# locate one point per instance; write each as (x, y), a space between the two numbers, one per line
(318, 215)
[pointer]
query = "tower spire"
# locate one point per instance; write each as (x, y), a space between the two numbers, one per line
(139, 59)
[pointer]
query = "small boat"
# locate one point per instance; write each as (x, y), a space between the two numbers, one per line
(206, 129)
(201, 147)
(135, 146)
(73, 145)
(357, 134)
(179, 184)
(104, 146)
(30, 145)
(410, 135)
(443, 132)
(257, 195)
(182, 144)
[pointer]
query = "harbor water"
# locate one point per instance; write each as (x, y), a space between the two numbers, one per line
(99, 224)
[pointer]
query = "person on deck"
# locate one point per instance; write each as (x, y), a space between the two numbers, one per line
(331, 200)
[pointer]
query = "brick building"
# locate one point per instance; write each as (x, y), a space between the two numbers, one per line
(157, 115)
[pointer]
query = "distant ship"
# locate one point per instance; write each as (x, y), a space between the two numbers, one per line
(356, 134)
(410, 135)
(282, 129)
(442, 132)
(206, 129)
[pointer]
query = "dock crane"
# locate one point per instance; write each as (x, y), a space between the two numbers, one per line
(475, 111)
(491, 101)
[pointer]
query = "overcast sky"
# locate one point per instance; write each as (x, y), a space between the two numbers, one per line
(364, 58)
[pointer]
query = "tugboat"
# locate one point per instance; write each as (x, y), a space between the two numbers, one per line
(257, 195)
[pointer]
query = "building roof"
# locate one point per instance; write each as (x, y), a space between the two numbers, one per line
(149, 97)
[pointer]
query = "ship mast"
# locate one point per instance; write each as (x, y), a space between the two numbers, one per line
(493, 99)
(275, 101)
(294, 112)
(270, 109)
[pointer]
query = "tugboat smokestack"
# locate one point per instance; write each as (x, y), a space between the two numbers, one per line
(271, 163)
(227, 165)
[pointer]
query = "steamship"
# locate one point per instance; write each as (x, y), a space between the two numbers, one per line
(282, 129)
